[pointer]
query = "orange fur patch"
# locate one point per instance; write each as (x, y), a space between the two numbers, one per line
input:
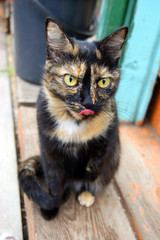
(76, 69)
(56, 107)
(88, 129)
(74, 50)
(98, 54)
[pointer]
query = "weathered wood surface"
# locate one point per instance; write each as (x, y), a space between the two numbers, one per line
(139, 179)
(27, 92)
(10, 214)
(106, 220)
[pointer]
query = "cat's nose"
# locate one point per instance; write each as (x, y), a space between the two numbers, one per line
(87, 102)
(86, 99)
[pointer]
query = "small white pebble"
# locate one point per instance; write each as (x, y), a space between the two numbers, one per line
(7, 236)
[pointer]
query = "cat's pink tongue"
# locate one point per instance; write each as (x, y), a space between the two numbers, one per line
(86, 112)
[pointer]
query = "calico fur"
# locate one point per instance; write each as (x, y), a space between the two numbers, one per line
(78, 152)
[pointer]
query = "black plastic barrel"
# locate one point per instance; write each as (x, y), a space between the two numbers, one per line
(75, 16)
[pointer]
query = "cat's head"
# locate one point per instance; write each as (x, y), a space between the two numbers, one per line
(81, 77)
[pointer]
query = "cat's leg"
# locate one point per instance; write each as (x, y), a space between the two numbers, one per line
(104, 154)
(66, 194)
(54, 176)
(28, 171)
(89, 189)
(98, 154)
(52, 213)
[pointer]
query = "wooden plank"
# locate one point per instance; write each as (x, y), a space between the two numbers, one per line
(27, 92)
(10, 214)
(105, 220)
(76, 222)
(139, 179)
(27, 130)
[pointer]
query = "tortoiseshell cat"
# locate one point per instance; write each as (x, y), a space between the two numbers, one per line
(77, 120)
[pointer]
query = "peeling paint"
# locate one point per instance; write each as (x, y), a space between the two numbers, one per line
(133, 198)
(144, 138)
(113, 204)
(154, 196)
(147, 230)
(158, 192)
(100, 201)
(144, 192)
(94, 228)
(141, 211)
(135, 187)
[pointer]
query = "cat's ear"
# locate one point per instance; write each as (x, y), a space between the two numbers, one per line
(112, 44)
(57, 42)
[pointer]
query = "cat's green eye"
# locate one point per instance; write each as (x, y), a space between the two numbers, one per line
(104, 82)
(70, 80)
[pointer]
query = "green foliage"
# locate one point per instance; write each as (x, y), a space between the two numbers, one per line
(8, 70)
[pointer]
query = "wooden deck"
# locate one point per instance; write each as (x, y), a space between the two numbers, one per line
(129, 208)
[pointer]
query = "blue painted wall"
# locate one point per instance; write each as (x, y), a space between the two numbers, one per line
(141, 62)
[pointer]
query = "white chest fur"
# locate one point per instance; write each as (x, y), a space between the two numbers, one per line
(68, 130)
(71, 127)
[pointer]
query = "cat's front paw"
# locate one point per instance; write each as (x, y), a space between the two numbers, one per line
(86, 199)
(49, 214)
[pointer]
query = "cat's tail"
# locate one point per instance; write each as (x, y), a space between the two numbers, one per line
(28, 171)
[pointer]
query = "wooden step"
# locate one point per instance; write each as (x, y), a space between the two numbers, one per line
(10, 212)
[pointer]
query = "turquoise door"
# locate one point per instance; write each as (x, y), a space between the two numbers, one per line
(141, 55)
